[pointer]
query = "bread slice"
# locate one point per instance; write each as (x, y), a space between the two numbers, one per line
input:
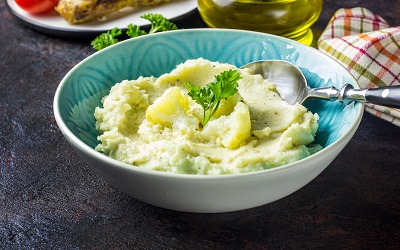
(79, 11)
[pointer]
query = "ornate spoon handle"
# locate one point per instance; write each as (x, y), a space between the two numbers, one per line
(386, 96)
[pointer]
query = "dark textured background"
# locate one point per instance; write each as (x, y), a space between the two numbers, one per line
(49, 199)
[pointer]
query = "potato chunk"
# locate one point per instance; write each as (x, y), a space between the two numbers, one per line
(230, 130)
(168, 108)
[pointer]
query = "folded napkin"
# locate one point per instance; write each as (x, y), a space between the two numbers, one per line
(369, 48)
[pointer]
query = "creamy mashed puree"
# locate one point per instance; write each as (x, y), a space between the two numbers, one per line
(152, 123)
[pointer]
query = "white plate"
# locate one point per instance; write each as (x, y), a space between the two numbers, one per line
(54, 24)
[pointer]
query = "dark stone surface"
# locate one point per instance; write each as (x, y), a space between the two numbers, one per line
(49, 199)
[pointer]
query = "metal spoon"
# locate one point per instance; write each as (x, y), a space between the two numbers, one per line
(293, 87)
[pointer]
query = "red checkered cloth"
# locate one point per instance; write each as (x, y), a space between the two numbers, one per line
(369, 48)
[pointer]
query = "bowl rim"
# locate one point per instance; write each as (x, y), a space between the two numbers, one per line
(72, 139)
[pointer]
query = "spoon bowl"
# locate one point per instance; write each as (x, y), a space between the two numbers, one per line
(288, 78)
(292, 86)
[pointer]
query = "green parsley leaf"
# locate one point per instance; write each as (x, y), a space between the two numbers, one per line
(134, 31)
(106, 39)
(210, 96)
(159, 23)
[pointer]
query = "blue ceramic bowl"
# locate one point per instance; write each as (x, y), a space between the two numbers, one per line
(152, 55)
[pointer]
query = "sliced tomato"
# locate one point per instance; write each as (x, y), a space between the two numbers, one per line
(37, 6)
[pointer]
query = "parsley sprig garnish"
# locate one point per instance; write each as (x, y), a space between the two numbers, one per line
(210, 96)
(106, 39)
(158, 23)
